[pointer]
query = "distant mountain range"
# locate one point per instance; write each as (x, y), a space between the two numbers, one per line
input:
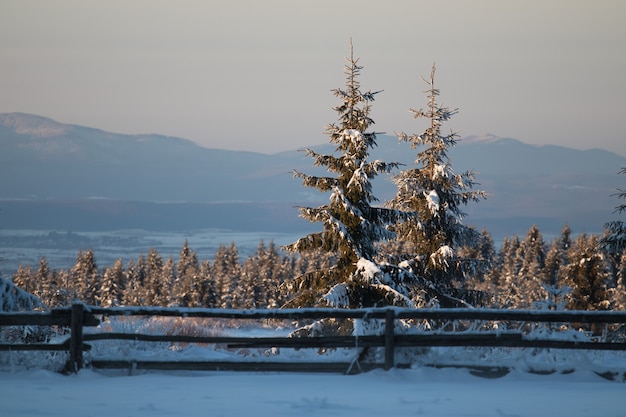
(56, 176)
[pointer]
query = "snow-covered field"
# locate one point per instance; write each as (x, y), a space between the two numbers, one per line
(26, 247)
(410, 392)
(28, 386)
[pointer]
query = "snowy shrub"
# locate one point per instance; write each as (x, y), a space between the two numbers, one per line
(149, 325)
(13, 298)
(49, 360)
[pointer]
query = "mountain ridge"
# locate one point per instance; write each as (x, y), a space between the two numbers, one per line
(44, 160)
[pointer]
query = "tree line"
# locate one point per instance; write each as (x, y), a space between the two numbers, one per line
(525, 272)
(411, 251)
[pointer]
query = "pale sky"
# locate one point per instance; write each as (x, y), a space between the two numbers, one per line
(256, 75)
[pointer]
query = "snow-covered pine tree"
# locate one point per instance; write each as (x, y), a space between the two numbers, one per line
(615, 240)
(60, 296)
(436, 194)
(207, 285)
(619, 295)
(272, 275)
(351, 224)
(225, 271)
(13, 298)
(167, 279)
(24, 279)
(587, 274)
(260, 278)
(556, 258)
(133, 293)
(153, 287)
(249, 290)
(111, 288)
(532, 256)
(484, 251)
(85, 276)
(188, 290)
(43, 280)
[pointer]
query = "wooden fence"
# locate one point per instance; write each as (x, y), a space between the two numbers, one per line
(78, 316)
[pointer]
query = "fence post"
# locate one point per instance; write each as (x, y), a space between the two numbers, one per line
(389, 339)
(75, 362)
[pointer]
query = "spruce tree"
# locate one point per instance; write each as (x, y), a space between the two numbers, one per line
(435, 194)
(134, 294)
(614, 240)
(619, 296)
(532, 257)
(503, 277)
(249, 289)
(207, 285)
(187, 275)
(43, 279)
(351, 224)
(225, 271)
(482, 255)
(587, 275)
(86, 277)
(153, 286)
(272, 275)
(167, 280)
(556, 258)
(112, 282)
(24, 279)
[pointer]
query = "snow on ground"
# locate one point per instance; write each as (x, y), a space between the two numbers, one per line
(420, 391)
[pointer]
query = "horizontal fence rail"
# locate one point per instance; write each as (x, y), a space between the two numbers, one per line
(77, 317)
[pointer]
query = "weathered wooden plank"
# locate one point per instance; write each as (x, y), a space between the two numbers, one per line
(33, 346)
(375, 313)
(500, 339)
(34, 319)
(458, 339)
(389, 339)
(313, 367)
(75, 361)
(39, 346)
(566, 344)
(248, 342)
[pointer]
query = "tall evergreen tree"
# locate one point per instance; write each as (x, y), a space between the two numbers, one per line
(187, 274)
(24, 279)
(133, 293)
(587, 275)
(436, 194)
(112, 281)
(60, 294)
(86, 277)
(43, 278)
(614, 241)
(351, 224)
(556, 258)
(225, 271)
(207, 282)
(619, 296)
(153, 286)
(503, 277)
(532, 257)
(167, 280)
(249, 290)
(272, 275)
(481, 256)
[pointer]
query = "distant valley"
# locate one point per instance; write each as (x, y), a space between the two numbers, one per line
(73, 178)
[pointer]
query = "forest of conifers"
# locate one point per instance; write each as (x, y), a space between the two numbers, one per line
(525, 272)
(412, 251)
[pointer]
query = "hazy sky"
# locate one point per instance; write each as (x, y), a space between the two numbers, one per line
(256, 75)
